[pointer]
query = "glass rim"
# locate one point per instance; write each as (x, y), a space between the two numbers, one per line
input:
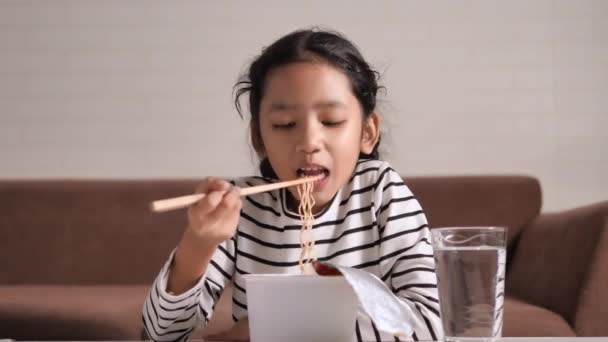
(471, 228)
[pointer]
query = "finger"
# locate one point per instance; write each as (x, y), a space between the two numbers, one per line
(232, 196)
(212, 184)
(202, 186)
(208, 203)
(233, 193)
(216, 184)
(229, 206)
(231, 200)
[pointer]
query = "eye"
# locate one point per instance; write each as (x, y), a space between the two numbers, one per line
(330, 123)
(283, 125)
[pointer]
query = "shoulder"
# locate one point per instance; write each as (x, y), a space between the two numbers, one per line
(382, 181)
(391, 198)
(375, 173)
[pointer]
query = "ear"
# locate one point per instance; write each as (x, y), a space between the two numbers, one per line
(370, 133)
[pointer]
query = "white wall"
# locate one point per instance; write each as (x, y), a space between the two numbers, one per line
(133, 89)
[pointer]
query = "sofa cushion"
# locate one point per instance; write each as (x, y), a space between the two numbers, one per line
(523, 319)
(72, 312)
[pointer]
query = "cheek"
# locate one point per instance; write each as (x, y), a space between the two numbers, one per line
(275, 145)
(270, 137)
(349, 138)
(267, 137)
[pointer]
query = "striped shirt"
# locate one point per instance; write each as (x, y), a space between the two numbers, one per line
(373, 223)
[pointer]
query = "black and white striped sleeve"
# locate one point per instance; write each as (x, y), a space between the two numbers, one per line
(407, 261)
(169, 317)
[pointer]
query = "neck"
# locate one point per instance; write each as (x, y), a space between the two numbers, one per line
(292, 204)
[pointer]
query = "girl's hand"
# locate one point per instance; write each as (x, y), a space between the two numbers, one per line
(215, 217)
(211, 221)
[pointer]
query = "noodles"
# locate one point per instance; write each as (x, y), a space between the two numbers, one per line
(307, 241)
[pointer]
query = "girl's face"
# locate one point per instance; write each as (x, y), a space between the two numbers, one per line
(312, 124)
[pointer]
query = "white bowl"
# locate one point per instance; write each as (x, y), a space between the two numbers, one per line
(300, 308)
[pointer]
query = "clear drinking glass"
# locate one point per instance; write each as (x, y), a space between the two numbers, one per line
(470, 264)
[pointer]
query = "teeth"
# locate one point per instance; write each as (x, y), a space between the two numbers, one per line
(311, 169)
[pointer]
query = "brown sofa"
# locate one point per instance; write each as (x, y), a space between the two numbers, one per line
(77, 257)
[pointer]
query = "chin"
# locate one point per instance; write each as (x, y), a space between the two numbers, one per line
(322, 198)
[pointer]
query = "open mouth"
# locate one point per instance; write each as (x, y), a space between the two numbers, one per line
(313, 171)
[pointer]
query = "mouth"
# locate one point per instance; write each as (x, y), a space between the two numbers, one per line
(314, 171)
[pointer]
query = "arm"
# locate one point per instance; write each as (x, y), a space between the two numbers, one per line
(408, 265)
(565, 254)
(191, 282)
(169, 316)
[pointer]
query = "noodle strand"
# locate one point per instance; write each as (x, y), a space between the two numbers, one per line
(307, 241)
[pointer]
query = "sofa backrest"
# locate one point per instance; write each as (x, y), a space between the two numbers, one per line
(86, 231)
(507, 201)
(102, 231)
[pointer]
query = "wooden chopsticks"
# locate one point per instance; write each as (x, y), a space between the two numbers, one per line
(184, 201)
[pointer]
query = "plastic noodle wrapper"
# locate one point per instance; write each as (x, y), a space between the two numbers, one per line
(389, 313)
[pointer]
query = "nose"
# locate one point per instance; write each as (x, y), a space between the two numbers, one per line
(309, 139)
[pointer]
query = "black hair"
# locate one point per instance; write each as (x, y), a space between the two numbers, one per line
(307, 46)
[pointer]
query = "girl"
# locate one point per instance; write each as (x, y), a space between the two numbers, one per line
(312, 99)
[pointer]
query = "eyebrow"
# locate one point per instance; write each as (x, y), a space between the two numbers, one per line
(329, 104)
(280, 106)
